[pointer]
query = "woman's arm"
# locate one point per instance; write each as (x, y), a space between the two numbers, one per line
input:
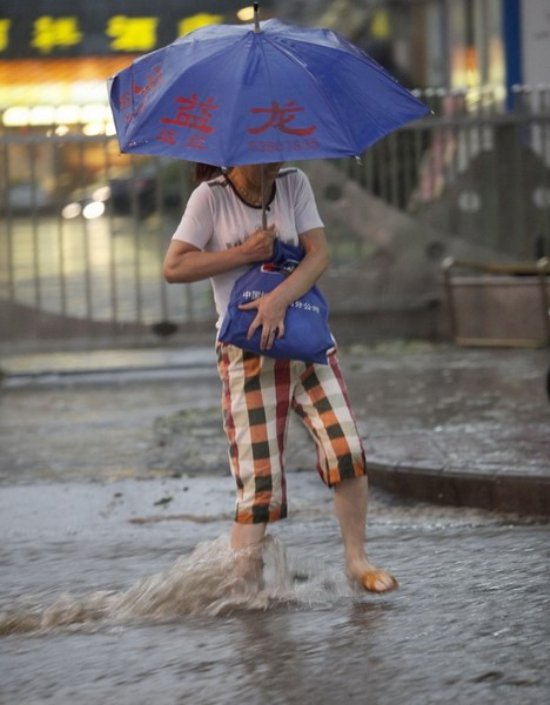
(271, 308)
(186, 263)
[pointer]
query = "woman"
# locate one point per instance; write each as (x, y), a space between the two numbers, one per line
(219, 237)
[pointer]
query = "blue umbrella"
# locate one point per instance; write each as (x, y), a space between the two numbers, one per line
(250, 94)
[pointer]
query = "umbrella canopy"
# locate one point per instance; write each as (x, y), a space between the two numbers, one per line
(249, 94)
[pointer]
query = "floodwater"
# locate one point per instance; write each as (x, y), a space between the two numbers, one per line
(117, 584)
(112, 595)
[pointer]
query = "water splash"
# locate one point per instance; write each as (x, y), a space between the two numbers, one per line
(213, 580)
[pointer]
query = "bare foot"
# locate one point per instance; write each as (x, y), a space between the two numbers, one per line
(372, 579)
(249, 566)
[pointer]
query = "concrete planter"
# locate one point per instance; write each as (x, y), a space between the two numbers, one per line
(500, 305)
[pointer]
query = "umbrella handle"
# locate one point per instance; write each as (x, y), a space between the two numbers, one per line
(264, 209)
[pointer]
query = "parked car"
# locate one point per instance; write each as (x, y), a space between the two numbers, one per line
(26, 198)
(140, 192)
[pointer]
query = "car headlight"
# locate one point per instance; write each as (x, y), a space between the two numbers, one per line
(71, 210)
(92, 210)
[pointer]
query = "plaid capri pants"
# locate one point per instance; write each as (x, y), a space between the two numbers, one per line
(258, 393)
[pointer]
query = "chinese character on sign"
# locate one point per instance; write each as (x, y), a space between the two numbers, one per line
(193, 114)
(52, 32)
(201, 19)
(4, 34)
(279, 117)
(132, 33)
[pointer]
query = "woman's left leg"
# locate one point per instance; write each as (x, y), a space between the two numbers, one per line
(322, 402)
(350, 507)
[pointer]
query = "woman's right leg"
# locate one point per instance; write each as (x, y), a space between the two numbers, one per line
(245, 536)
(247, 542)
(255, 418)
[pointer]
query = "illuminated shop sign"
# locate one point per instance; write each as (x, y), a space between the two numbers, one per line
(53, 28)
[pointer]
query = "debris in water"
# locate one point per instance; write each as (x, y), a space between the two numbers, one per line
(163, 501)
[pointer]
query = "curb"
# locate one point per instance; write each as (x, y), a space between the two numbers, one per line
(519, 494)
(503, 491)
(51, 376)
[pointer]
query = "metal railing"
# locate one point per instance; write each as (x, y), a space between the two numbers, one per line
(471, 170)
(84, 229)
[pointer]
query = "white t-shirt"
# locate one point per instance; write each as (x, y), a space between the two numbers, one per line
(216, 218)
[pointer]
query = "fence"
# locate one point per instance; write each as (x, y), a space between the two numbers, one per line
(84, 229)
(471, 170)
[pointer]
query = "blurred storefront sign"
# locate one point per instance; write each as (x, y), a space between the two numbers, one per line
(56, 55)
(55, 28)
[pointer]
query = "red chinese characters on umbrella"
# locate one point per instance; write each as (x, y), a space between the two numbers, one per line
(194, 114)
(280, 117)
(141, 94)
(251, 94)
(154, 77)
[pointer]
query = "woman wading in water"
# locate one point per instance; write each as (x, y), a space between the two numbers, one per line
(219, 237)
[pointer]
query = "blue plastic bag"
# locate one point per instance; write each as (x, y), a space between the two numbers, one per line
(307, 334)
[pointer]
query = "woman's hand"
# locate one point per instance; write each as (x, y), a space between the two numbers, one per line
(270, 317)
(271, 308)
(259, 246)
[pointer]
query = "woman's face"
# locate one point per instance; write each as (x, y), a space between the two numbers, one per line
(253, 172)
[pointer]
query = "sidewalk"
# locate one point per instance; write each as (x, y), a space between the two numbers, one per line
(465, 427)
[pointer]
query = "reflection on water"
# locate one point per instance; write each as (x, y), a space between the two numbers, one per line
(209, 582)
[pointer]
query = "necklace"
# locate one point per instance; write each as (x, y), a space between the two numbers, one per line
(246, 195)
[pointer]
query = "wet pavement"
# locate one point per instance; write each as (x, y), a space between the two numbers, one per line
(115, 581)
(443, 424)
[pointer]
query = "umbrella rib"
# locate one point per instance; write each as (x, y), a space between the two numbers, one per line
(232, 111)
(330, 104)
(357, 55)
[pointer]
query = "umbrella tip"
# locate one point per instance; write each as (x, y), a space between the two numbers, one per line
(256, 16)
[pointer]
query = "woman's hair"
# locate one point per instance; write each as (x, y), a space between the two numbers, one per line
(205, 172)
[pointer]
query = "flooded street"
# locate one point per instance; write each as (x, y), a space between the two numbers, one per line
(469, 623)
(117, 584)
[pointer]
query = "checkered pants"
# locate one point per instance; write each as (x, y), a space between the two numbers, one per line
(258, 394)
